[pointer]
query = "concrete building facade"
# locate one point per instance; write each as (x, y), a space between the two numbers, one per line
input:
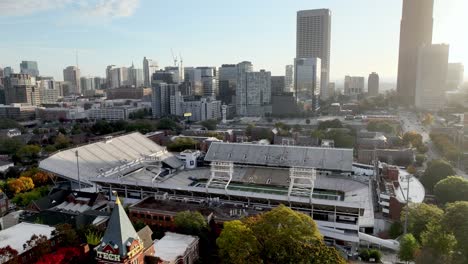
(307, 74)
(71, 74)
(373, 84)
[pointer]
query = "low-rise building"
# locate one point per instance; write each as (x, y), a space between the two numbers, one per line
(176, 248)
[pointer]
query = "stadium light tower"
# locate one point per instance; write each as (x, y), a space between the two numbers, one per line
(78, 170)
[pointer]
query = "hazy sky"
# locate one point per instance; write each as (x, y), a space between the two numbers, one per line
(365, 33)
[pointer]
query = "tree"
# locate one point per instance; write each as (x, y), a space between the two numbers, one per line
(10, 146)
(62, 142)
(20, 185)
(396, 229)
(238, 244)
(420, 158)
(411, 169)
(340, 138)
(182, 143)
(209, 124)
(381, 126)
(283, 236)
(191, 223)
(167, 124)
(436, 171)
(68, 234)
(324, 125)
(408, 248)
(438, 243)
(8, 254)
(61, 256)
(28, 153)
(93, 238)
(24, 199)
(455, 220)
(419, 215)
(451, 189)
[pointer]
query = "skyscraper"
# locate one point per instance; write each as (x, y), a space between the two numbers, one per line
(313, 39)
(277, 84)
(373, 84)
(29, 67)
(227, 81)
(415, 31)
(289, 79)
(7, 71)
(431, 77)
(307, 82)
(21, 88)
(353, 85)
(149, 67)
(241, 87)
(71, 74)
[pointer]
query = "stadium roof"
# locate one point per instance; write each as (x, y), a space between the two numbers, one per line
(282, 155)
(108, 156)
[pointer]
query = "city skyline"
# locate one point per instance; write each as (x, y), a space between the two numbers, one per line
(119, 32)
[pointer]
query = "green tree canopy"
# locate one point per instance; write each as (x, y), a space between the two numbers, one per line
(438, 243)
(191, 223)
(10, 145)
(209, 124)
(419, 215)
(282, 235)
(28, 153)
(455, 220)
(451, 189)
(381, 126)
(408, 247)
(182, 143)
(335, 123)
(238, 236)
(436, 171)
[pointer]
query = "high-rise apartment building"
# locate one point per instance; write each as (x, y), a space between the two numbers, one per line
(29, 67)
(149, 67)
(289, 78)
(193, 81)
(313, 38)
(258, 93)
(415, 31)
(241, 87)
(203, 109)
(87, 84)
(71, 74)
(135, 76)
(455, 76)
(431, 77)
(373, 84)
(166, 100)
(307, 74)
(49, 90)
(331, 89)
(22, 89)
(209, 81)
(354, 85)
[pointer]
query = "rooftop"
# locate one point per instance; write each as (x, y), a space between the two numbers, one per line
(17, 235)
(172, 246)
(111, 155)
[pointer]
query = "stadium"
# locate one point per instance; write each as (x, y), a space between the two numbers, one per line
(320, 182)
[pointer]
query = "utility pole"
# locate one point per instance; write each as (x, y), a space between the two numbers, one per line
(78, 170)
(407, 206)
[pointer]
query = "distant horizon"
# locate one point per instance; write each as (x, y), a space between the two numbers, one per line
(365, 34)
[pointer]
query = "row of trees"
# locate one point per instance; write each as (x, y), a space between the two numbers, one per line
(415, 140)
(436, 235)
(446, 147)
(382, 126)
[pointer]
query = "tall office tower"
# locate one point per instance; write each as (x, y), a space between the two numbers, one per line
(109, 76)
(331, 89)
(354, 85)
(258, 93)
(71, 74)
(313, 39)
(241, 87)
(166, 99)
(7, 71)
(49, 90)
(278, 84)
(21, 88)
(455, 76)
(135, 76)
(307, 74)
(87, 84)
(120, 77)
(149, 67)
(99, 83)
(227, 80)
(209, 81)
(373, 84)
(431, 77)
(29, 67)
(193, 80)
(1, 77)
(415, 31)
(289, 78)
